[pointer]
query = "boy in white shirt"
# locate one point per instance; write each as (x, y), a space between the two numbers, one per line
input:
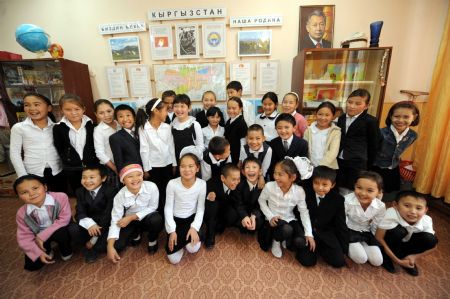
(406, 232)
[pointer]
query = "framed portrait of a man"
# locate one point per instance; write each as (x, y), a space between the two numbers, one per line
(316, 27)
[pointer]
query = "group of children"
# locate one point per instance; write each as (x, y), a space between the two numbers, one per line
(197, 176)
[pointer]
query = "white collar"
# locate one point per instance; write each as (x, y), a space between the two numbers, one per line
(289, 140)
(315, 129)
(260, 150)
(29, 122)
(353, 200)
(213, 160)
(105, 126)
(294, 113)
(225, 188)
(398, 136)
(314, 41)
(96, 190)
(353, 117)
(49, 201)
(84, 120)
(143, 189)
(251, 186)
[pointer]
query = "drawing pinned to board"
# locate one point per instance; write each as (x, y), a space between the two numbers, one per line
(214, 39)
(187, 41)
(125, 48)
(254, 43)
(161, 44)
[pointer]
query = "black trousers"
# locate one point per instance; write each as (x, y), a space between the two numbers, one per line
(218, 216)
(327, 246)
(183, 226)
(391, 178)
(73, 178)
(161, 177)
(418, 243)
(55, 183)
(348, 171)
(60, 237)
(80, 236)
(291, 232)
(368, 237)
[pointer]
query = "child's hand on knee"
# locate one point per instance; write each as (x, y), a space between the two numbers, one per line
(192, 233)
(172, 240)
(273, 222)
(311, 243)
(95, 230)
(46, 259)
(211, 196)
(246, 222)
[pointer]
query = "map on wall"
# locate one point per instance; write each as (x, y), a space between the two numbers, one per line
(192, 79)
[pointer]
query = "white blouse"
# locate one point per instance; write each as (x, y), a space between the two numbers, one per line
(319, 142)
(209, 133)
(101, 142)
(156, 146)
(360, 220)
(273, 203)
(182, 202)
(77, 137)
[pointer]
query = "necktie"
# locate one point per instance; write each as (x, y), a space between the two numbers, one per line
(285, 145)
(92, 194)
(318, 45)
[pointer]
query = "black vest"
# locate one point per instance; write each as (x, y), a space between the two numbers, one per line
(260, 155)
(183, 138)
(216, 170)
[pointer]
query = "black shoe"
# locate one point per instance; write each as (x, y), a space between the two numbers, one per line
(412, 271)
(153, 249)
(210, 242)
(90, 256)
(135, 242)
(388, 265)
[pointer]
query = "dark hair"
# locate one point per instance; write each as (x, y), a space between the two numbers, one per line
(192, 156)
(44, 99)
(251, 159)
(145, 114)
(328, 105)
(182, 99)
(123, 107)
(100, 168)
(237, 100)
(71, 98)
(211, 92)
(407, 105)
(285, 117)
(292, 94)
(228, 168)
(217, 145)
(412, 193)
(236, 85)
(317, 13)
(324, 172)
(168, 93)
(28, 177)
(360, 93)
(102, 101)
(288, 166)
(255, 128)
(212, 111)
(373, 176)
(271, 95)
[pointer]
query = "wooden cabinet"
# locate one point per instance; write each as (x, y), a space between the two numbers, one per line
(50, 77)
(332, 74)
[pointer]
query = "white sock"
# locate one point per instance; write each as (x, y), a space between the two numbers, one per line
(153, 243)
(193, 248)
(283, 244)
(276, 249)
(175, 257)
(137, 238)
(66, 258)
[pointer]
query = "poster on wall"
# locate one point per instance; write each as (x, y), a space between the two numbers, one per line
(125, 48)
(267, 76)
(139, 80)
(187, 41)
(214, 39)
(161, 43)
(254, 43)
(191, 78)
(316, 27)
(117, 82)
(242, 72)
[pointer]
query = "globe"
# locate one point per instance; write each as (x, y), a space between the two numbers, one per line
(32, 38)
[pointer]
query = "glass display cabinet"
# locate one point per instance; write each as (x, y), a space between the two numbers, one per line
(50, 77)
(332, 74)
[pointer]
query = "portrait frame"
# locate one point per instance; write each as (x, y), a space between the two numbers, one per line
(248, 38)
(117, 47)
(304, 41)
(187, 39)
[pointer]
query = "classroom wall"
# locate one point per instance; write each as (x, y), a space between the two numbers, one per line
(413, 27)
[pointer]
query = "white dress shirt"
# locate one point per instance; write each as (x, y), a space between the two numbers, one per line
(392, 218)
(319, 142)
(206, 168)
(101, 142)
(268, 125)
(398, 137)
(289, 141)
(273, 203)
(198, 142)
(360, 220)
(45, 219)
(209, 133)
(77, 137)
(143, 203)
(39, 151)
(266, 161)
(182, 202)
(156, 146)
(87, 222)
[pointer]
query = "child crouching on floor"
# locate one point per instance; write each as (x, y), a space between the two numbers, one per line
(44, 218)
